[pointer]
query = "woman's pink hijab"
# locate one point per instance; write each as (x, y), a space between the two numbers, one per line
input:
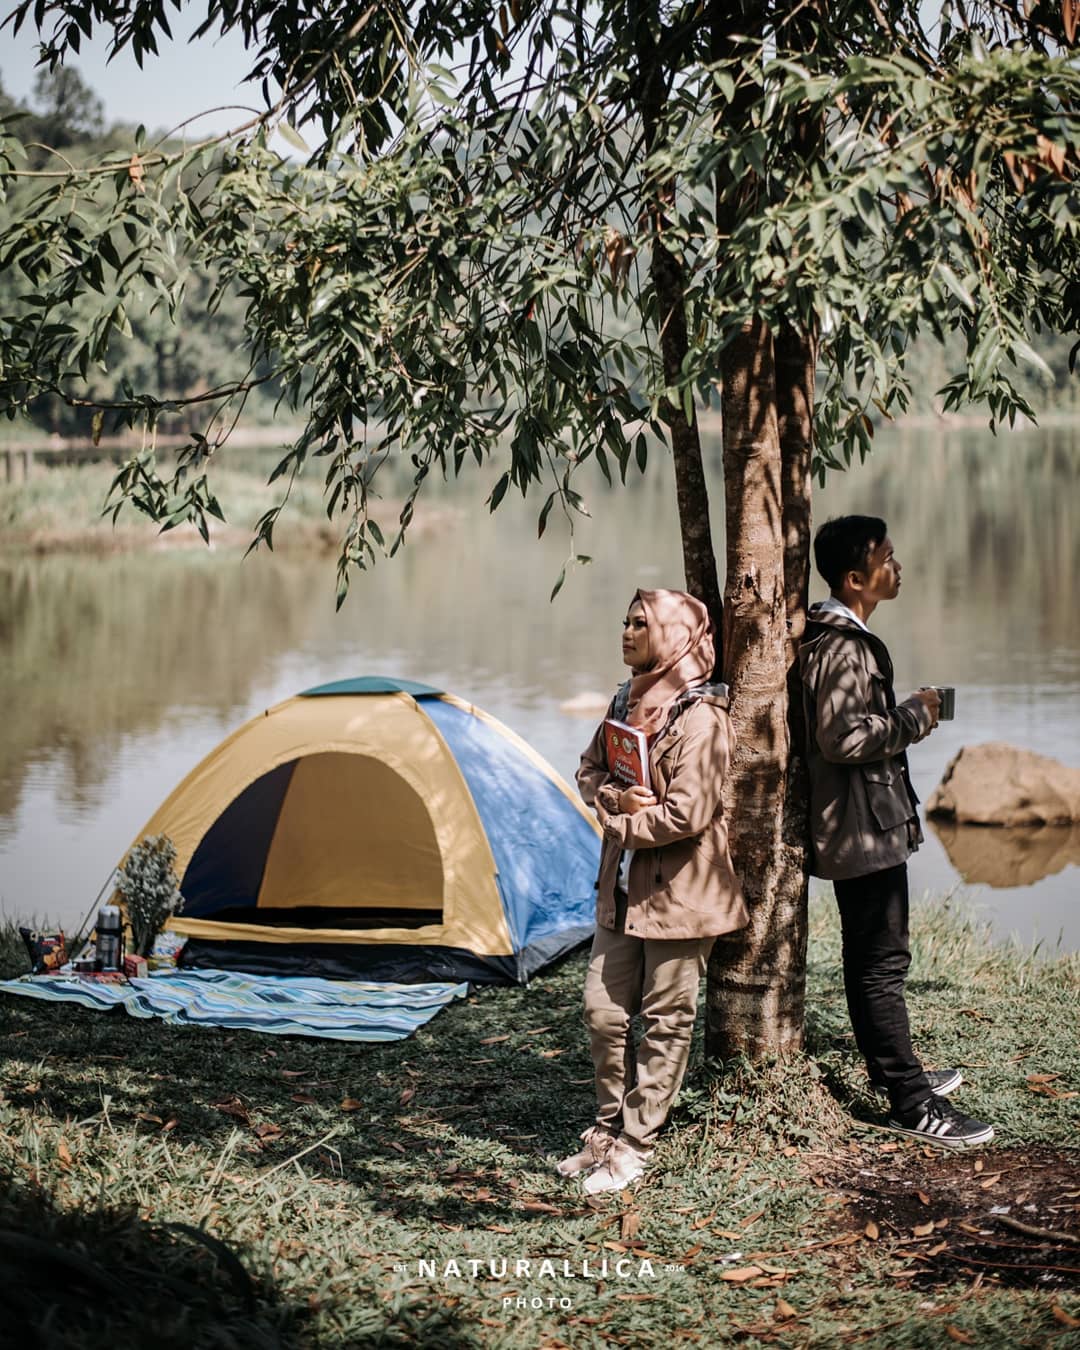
(683, 655)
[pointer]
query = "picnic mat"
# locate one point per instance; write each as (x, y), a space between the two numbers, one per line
(340, 1010)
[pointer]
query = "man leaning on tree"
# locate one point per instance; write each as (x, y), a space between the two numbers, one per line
(863, 817)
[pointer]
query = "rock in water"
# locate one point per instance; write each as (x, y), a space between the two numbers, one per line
(1000, 784)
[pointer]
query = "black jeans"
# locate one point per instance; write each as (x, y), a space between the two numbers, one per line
(874, 923)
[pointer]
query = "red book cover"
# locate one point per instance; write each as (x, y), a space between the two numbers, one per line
(627, 753)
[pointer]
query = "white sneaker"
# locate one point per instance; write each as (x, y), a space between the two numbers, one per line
(598, 1143)
(623, 1165)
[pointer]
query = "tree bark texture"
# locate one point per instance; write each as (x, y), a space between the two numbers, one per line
(796, 363)
(755, 999)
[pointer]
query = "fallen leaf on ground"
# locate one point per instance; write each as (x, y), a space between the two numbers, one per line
(628, 1228)
(955, 1334)
(923, 1197)
(147, 1116)
(494, 1040)
(1063, 1317)
(63, 1153)
(268, 1130)
(923, 1229)
(303, 1098)
(783, 1312)
(1042, 1077)
(539, 1207)
(703, 1223)
(351, 1104)
(888, 1148)
(498, 1228)
(936, 1249)
(750, 1219)
(232, 1106)
(991, 1180)
(741, 1274)
(872, 1231)
(550, 1054)
(729, 1234)
(292, 1073)
(537, 1030)
(979, 1165)
(407, 1094)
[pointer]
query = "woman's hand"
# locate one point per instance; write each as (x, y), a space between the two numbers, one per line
(636, 798)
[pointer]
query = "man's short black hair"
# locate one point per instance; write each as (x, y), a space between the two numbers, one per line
(844, 544)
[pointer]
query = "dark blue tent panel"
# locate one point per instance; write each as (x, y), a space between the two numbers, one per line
(226, 870)
(373, 684)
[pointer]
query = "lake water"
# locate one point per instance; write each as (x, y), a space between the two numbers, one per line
(121, 673)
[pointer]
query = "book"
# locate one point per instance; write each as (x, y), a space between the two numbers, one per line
(627, 753)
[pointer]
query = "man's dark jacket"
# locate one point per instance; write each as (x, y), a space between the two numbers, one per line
(863, 814)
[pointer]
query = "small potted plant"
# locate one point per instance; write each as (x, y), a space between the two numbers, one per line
(150, 890)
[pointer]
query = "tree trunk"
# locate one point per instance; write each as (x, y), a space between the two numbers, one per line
(692, 495)
(699, 557)
(796, 361)
(756, 978)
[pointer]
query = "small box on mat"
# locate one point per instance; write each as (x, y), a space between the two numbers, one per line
(135, 966)
(103, 977)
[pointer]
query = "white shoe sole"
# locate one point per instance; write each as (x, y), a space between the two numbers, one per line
(944, 1141)
(605, 1186)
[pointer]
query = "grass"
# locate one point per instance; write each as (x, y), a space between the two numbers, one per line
(185, 1187)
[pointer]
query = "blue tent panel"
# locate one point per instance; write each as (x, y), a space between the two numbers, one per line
(547, 854)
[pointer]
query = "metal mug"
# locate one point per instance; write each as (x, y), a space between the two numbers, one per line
(947, 694)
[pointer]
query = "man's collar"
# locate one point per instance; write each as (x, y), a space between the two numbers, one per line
(834, 606)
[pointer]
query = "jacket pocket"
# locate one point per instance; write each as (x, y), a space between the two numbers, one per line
(886, 794)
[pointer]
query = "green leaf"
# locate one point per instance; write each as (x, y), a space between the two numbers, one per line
(291, 136)
(499, 491)
(1028, 353)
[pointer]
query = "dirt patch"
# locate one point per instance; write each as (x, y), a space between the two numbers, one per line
(1011, 1214)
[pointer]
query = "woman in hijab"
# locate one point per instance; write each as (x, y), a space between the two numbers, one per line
(666, 887)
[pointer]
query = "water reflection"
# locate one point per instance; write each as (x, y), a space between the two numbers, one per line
(1001, 857)
(125, 670)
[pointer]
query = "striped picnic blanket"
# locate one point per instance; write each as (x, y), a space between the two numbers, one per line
(340, 1010)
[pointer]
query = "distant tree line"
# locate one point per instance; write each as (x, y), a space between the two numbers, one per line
(65, 121)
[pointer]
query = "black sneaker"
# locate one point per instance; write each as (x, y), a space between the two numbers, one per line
(939, 1122)
(942, 1082)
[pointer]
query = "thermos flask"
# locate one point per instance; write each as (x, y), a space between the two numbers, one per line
(110, 937)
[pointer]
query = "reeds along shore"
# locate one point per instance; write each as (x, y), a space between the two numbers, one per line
(242, 1189)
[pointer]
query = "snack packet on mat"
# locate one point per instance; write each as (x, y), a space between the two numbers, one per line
(47, 951)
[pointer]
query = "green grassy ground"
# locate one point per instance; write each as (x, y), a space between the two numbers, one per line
(189, 1188)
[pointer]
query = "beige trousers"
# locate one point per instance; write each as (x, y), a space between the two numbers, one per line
(658, 978)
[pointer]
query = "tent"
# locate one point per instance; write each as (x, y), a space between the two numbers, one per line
(379, 829)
